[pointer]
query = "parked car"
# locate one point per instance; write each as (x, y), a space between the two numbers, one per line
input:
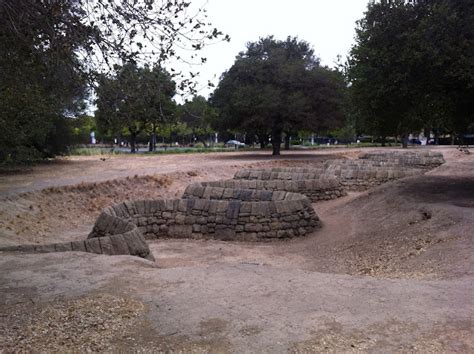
(234, 143)
(415, 142)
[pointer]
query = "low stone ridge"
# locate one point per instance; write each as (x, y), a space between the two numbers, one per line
(373, 169)
(129, 243)
(421, 159)
(314, 189)
(258, 205)
(216, 213)
(366, 163)
(288, 174)
(351, 177)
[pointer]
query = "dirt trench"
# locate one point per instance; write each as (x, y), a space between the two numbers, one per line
(390, 270)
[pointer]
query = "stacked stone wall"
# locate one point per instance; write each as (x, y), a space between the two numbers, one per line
(420, 159)
(127, 243)
(314, 189)
(352, 175)
(219, 213)
(258, 205)
(286, 174)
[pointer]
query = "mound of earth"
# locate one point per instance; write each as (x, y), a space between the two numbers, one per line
(390, 270)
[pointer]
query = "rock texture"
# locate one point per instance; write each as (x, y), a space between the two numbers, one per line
(371, 170)
(314, 189)
(128, 243)
(216, 213)
(257, 205)
(419, 158)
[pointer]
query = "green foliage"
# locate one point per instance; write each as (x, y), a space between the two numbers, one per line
(275, 87)
(346, 133)
(412, 67)
(40, 89)
(88, 151)
(135, 99)
(82, 127)
(52, 49)
(93, 36)
(198, 116)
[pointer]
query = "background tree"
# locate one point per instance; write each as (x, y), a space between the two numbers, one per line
(198, 116)
(37, 92)
(51, 49)
(133, 99)
(82, 128)
(412, 67)
(278, 86)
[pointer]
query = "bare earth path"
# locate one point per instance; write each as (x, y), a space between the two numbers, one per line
(74, 170)
(391, 270)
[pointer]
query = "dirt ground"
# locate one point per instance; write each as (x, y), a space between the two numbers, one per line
(390, 270)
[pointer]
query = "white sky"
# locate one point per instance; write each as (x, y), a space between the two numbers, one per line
(328, 25)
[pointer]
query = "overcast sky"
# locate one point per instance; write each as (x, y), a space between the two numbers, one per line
(328, 25)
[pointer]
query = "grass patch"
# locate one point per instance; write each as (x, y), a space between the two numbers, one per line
(83, 151)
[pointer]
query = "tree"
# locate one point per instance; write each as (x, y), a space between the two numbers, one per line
(52, 49)
(133, 99)
(38, 94)
(278, 86)
(198, 116)
(82, 127)
(411, 68)
(97, 35)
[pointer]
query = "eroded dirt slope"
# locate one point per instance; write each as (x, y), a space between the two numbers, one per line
(391, 271)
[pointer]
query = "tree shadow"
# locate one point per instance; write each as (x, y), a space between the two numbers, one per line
(435, 189)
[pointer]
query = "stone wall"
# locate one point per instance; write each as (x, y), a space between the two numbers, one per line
(128, 243)
(285, 174)
(420, 158)
(259, 204)
(217, 213)
(314, 189)
(351, 176)
(364, 163)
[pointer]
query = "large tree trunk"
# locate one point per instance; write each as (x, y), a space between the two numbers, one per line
(384, 139)
(436, 136)
(276, 142)
(152, 146)
(133, 139)
(133, 143)
(404, 140)
(263, 140)
(426, 133)
(287, 142)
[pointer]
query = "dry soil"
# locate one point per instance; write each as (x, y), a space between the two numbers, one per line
(390, 270)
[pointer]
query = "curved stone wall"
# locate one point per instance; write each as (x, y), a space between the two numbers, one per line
(421, 159)
(288, 174)
(127, 243)
(216, 213)
(365, 163)
(352, 175)
(361, 177)
(259, 204)
(314, 189)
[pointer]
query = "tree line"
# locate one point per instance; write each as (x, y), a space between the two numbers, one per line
(411, 69)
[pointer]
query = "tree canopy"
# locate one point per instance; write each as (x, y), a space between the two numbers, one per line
(134, 99)
(54, 52)
(412, 67)
(278, 86)
(198, 116)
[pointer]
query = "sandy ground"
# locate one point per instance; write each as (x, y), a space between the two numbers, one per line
(390, 270)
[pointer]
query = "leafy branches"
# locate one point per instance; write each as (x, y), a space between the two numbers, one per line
(412, 68)
(135, 99)
(278, 86)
